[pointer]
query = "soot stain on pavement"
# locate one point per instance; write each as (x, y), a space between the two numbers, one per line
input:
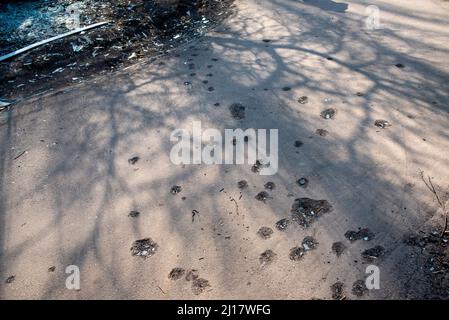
(337, 290)
(309, 243)
(298, 143)
(282, 224)
(265, 232)
(303, 100)
(133, 214)
(144, 248)
(322, 132)
(262, 196)
(132, 161)
(359, 288)
(176, 273)
(192, 274)
(373, 254)
(338, 248)
(267, 257)
(296, 253)
(175, 189)
(199, 285)
(237, 111)
(305, 211)
(270, 185)
(242, 184)
(328, 113)
(303, 182)
(365, 234)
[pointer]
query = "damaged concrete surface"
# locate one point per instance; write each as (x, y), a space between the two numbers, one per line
(66, 186)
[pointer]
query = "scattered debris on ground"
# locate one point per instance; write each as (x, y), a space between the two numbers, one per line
(10, 279)
(144, 248)
(176, 273)
(242, 184)
(338, 248)
(192, 274)
(305, 210)
(303, 100)
(262, 196)
(52, 269)
(265, 232)
(365, 234)
(296, 253)
(136, 29)
(270, 185)
(303, 182)
(132, 161)
(199, 285)
(309, 243)
(322, 132)
(328, 113)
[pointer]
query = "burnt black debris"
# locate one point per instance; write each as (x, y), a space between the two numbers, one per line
(328, 113)
(237, 111)
(199, 285)
(303, 100)
(175, 189)
(144, 248)
(296, 253)
(133, 160)
(270, 185)
(305, 210)
(382, 124)
(282, 224)
(365, 234)
(309, 243)
(373, 254)
(359, 288)
(242, 184)
(267, 257)
(322, 132)
(262, 196)
(133, 214)
(298, 143)
(10, 279)
(192, 274)
(265, 232)
(303, 182)
(176, 273)
(338, 248)
(337, 290)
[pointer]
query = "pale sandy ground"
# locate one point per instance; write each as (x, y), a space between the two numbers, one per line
(65, 201)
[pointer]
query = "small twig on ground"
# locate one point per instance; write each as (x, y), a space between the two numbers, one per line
(431, 187)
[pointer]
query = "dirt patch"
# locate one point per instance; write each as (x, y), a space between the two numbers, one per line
(144, 248)
(136, 29)
(176, 273)
(265, 232)
(305, 211)
(303, 100)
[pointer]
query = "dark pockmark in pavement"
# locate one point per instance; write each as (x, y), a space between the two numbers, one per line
(298, 143)
(210, 89)
(133, 214)
(10, 279)
(242, 184)
(296, 253)
(399, 65)
(51, 269)
(144, 248)
(305, 210)
(322, 132)
(194, 213)
(176, 273)
(365, 234)
(262, 196)
(338, 248)
(303, 100)
(328, 113)
(175, 189)
(133, 160)
(199, 285)
(282, 224)
(270, 185)
(237, 111)
(373, 254)
(286, 89)
(382, 124)
(267, 257)
(265, 232)
(192, 274)
(337, 290)
(359, 288)
(309, 243)
(303, 182)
